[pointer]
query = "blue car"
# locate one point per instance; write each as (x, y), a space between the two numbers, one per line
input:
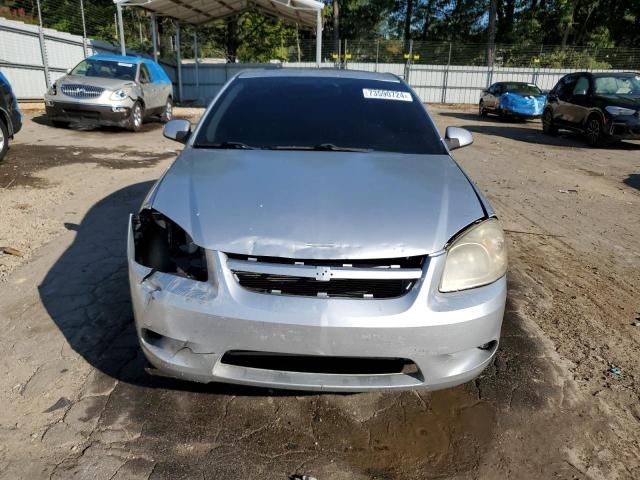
(514, 99)
(10, 116)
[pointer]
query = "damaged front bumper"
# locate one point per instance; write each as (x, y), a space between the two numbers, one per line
(186, 327)
(89, 112)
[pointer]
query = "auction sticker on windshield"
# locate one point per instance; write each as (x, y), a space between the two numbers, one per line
(387, 95)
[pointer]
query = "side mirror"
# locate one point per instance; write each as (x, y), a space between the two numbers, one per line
(68, 71)
(178, 130)
(456, 137)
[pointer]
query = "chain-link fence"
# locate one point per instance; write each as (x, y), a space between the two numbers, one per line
(472, 54)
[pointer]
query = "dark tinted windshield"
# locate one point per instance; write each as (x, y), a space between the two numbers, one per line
(106, 69)
(303, 112)
(522, 89)
(617, 85)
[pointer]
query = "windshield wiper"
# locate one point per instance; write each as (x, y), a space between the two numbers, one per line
(327, 147)
(226, 146)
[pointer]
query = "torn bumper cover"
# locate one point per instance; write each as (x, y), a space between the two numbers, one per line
(522, 106)
(196, 330)
(107, 115)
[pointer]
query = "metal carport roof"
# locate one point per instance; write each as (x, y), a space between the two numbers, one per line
(196, 12)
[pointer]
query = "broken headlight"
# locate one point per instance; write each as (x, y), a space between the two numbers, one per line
(477, 257)
(162, 245)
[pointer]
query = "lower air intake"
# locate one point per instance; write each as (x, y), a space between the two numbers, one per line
(320, 363)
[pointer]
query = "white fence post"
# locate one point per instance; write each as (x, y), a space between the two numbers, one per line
(84, 30)
(123, 48)
(179, 60)
(445, 76)
(43, 48)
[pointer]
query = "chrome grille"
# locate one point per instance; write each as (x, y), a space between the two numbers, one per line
(378, 279)
(81, 91)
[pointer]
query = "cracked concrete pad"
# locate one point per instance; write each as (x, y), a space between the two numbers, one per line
(96, 461)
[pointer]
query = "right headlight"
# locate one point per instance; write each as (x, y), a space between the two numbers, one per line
(477, 257)
(620, 111)
(120, 94)
(52, 90)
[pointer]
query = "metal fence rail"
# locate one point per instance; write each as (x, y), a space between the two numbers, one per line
(32, 57)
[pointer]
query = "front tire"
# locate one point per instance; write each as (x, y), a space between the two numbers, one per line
(4, 139)
(481, 110)
(547, 123)
(594, 131)
(135, 117)
(167, 114)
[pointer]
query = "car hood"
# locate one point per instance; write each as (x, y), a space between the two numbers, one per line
(108, 83)
(625, 101)
(322, 205)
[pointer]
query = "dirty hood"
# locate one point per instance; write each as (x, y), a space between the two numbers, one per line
(323, 205)
(107, 83)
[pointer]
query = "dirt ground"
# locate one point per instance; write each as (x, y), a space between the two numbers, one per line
(560, 402)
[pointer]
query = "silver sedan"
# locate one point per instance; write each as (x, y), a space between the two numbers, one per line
(315, 234)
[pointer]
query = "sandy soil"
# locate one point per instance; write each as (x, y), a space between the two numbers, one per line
(77, 404)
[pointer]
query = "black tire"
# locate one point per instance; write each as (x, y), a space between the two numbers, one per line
(59, 123)
(136, 117)
(547, 123)
(4, 139)
(167, 113)
(594, 131)
(481, 110)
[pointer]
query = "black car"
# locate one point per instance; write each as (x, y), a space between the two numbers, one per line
(10, 116)
(602, 106)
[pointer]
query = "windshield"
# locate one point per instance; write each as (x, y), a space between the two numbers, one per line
(106, 69)
(303, 113)
(522, 89)
(617, 85)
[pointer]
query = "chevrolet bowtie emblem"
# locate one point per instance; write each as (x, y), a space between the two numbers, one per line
(323, 274)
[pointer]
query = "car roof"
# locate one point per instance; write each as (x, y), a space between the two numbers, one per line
(116, 58)
(317, 73)
(604, 74)
(617, 74)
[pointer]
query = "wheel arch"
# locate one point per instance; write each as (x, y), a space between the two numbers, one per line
(594, 113)
(140, 100)
(6, 119)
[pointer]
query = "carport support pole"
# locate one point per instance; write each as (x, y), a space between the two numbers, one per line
(179, 61)
(123, 48)
(154, 36)
(84, 30)
(43, 48)
(319, 39)
(195, 56)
